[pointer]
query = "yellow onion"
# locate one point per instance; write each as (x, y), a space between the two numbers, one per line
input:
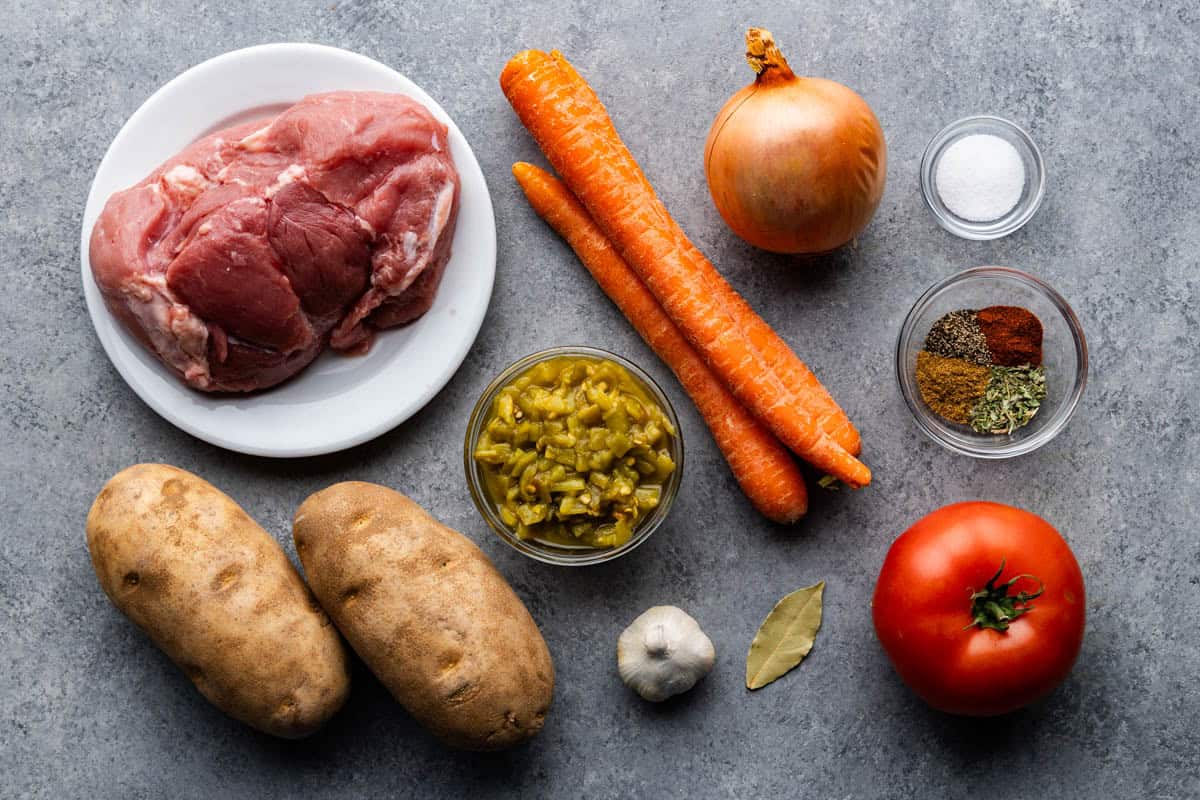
(794, 165)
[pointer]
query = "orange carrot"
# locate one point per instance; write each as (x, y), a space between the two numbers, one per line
(762, 466)
(574, 131)
(791, 370)
(778, 356)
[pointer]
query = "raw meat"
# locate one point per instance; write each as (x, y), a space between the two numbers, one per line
(239, 259)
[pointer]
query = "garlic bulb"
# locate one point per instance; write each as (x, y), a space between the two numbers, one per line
(663, 653)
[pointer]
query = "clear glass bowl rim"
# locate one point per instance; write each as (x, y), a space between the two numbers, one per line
(922, 415)
(951, 223)
(545, 553)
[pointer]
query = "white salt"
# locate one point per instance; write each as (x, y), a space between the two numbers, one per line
(980, 177)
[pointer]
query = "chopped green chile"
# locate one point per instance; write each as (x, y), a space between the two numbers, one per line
(575, 452)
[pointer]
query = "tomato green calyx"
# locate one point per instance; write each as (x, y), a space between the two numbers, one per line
(993, 607)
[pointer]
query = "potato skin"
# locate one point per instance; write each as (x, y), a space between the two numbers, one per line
(218, 595)
(428, 613)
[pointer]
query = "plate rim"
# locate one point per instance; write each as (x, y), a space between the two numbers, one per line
(113, 346)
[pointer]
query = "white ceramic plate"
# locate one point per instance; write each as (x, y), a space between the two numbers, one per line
(338, 401)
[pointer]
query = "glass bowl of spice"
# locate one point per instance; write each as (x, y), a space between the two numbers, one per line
(573, 455)
(982, 177)
(991, 362)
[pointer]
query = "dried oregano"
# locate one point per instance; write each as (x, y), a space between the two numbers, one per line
(1012, 397)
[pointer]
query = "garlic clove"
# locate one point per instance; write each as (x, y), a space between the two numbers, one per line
(663, 653)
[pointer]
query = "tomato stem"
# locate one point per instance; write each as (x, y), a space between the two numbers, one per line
(993, 607)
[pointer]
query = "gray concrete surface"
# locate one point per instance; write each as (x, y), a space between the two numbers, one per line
(88, 707)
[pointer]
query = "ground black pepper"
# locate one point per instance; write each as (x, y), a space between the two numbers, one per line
(958, 335)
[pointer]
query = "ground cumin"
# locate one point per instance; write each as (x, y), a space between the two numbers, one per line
(950, 386)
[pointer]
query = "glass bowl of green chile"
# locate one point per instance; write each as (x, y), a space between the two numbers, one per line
(984, 396)
(573, 455)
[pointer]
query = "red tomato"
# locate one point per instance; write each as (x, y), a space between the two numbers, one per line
(967, 639)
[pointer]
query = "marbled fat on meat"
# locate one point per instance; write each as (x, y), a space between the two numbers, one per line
(241, 257)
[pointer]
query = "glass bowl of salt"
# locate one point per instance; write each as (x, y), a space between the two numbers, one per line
(982, 177)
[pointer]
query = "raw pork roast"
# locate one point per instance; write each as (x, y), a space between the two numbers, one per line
(238, 259)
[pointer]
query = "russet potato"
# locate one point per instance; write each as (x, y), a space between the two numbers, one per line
(218, 595)
(428, 613)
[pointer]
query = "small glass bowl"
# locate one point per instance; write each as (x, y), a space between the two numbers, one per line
(1064, 354)
(553, 554)
(1031, 194)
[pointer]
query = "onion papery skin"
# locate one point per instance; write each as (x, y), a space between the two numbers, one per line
(796, 165)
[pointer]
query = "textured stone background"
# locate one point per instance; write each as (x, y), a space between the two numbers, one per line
(1109, 91)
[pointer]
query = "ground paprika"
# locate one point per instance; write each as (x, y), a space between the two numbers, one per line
(1013, 335)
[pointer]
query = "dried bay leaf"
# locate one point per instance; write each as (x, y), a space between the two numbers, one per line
(785, 637)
